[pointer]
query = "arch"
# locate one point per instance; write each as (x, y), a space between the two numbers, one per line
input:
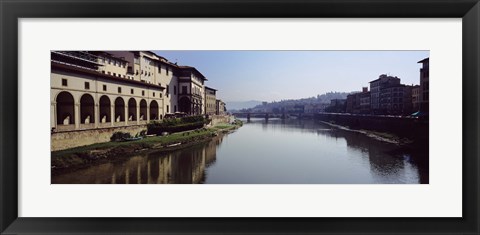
(65, 108)
(143, 110)
(105, 110)
(153, 110)
(132, 109)
(87, 111)
(185, 105)
(119, 110)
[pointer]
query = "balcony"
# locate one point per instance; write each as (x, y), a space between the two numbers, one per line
(80, 59)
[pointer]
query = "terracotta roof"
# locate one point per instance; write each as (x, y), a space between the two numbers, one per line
(63, 67)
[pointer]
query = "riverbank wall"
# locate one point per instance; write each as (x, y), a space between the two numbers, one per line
(72, 139)
(411, 128)
(218, 119)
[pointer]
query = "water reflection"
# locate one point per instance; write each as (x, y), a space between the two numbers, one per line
(180, 167)
(268, 152)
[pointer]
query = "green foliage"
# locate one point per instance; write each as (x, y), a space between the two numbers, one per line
(118, 136)
(172, 125)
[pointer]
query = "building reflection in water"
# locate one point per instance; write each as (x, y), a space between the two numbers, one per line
(274, 159)
(179, 167)
(377, 154)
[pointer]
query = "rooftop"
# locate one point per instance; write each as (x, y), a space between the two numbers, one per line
(209, 88)
(67, 68)
(424, 60)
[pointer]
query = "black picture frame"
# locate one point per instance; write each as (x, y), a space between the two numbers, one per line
(11, 11)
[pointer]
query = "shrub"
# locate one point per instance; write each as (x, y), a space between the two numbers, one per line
(177, 124)
(118, 136)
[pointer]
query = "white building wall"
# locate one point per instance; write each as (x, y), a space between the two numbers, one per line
(76, 87)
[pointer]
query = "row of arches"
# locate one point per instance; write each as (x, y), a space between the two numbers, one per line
(65, 109)
(188, 106)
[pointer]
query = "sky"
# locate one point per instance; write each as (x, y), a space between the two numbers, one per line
(278, 75)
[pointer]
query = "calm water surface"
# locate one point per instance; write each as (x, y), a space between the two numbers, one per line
(273, 152)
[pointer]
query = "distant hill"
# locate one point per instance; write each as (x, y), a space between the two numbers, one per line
(237, 105)
(320, 99)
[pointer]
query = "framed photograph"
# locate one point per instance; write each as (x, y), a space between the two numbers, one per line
(239, 117)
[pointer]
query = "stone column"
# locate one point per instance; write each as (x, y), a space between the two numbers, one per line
(77, 115)
(112, 115)
(138, 114)
(97, 115)
(126, 114)
(148, 113)
(53, 115)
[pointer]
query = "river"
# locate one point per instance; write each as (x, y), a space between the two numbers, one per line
(273, 152)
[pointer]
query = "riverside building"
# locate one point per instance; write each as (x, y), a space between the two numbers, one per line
(210, 101)
(95, 90)
(424, 84)
(108, 89)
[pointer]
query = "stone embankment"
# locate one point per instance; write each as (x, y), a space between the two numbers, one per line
(80, 157)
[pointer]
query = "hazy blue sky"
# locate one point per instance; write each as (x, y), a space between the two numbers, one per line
(277, 75)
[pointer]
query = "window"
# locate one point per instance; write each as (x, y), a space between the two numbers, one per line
(184, 89)
(174, 108)
(103, 71)
(119, 90)
(160, 95)
(153, 94)
(136, 73)
(174, 90)
(168, 90)
(87, 86)
(104, 87)
(159, 69)
(114, 74)
(131, 91)
(167, 70)
(109, 73)
(168, 108)
(64, 82)
(143, 93)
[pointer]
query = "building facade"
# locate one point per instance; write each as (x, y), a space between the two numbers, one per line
(396, 100)
(192, 90)
(353, 103)
(92, 90)
(210, 101)
(424, 84)
(221, 108)
(104, 89)
(416, 98)
(375, 87)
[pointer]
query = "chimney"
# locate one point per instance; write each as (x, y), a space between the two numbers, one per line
(364, 89)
